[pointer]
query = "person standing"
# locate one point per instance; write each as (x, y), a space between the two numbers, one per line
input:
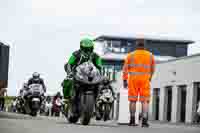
(3, 92)
(138, 69)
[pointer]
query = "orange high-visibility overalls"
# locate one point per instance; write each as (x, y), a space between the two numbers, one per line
(137, 71)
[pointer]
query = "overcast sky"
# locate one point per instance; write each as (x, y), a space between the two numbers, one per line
(43, 33)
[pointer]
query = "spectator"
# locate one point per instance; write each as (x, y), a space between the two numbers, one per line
(137, 74)
(3, 92)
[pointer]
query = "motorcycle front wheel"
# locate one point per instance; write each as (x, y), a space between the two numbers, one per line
(87, 108)
(71, 117)
(107, 109)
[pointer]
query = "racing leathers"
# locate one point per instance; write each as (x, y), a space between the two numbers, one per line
(77, 58)
(105, 86)
(37, 81)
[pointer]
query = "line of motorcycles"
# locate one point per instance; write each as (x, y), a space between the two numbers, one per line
(43, 106)
(36, 102)
(93, 100)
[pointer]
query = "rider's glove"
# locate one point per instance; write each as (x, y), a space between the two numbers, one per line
(69, 75)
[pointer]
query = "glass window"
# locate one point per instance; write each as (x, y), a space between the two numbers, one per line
(123, 50)
(116, 46)
(181, 51)
(109, 44)
(108, 47)
(130, 46)
(162, 49)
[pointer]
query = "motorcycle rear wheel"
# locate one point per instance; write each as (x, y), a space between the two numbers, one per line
(33, 113)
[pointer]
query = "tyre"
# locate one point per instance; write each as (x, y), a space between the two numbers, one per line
(73, 119)
(47, 113)
(70, 115)
(34, 113)
(87, 106)
(57, 114)
(106, 112)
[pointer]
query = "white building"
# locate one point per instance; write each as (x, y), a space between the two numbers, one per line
(175, 91)
(176, 86)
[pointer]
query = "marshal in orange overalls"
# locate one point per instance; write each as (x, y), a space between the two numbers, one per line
(137, 71)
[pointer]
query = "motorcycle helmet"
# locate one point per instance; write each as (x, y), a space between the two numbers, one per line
(58, 94)
(36, 75)
(86, 45)
(106, 81)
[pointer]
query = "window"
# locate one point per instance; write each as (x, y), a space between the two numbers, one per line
(116, 46)
(108, 44)
(130, 46)
(162, 49)
(181, 50)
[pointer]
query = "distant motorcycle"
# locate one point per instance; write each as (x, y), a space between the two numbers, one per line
(13, 106)
(48, 107)
(20, 105)
(104, 104)
(57, 106)
(34, 99)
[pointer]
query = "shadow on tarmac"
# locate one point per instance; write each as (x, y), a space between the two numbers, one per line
(93, 124)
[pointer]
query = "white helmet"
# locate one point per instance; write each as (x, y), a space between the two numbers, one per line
(36, 75)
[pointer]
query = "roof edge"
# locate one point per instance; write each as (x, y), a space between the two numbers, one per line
(180, 58)
(146, 38)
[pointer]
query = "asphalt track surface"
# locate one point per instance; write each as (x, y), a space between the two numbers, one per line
(15, 123)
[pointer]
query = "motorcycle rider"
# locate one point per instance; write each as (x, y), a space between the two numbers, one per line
(55, 107)
(106, 84)
(24, 90)
(35, 79)
(20, 99)
(84, 54)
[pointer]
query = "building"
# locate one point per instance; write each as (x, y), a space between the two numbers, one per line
(175, 85)
(113, 49)
(176, 90)
(4, 62)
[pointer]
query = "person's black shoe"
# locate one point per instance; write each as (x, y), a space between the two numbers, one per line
(145, 125)
(132, 122)
(145, 122)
